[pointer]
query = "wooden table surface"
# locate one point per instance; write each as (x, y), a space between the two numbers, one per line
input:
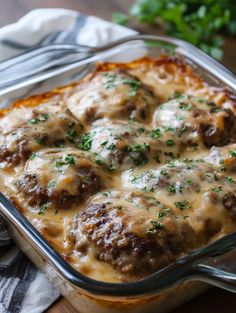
(215, 300)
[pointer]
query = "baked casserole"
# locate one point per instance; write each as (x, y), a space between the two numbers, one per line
(127, 170)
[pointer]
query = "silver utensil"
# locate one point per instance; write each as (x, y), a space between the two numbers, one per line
(43, 62)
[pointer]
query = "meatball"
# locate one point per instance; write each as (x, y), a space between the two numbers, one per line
(196, 189)
(196, 120)
(26, 130)
(59, 177)
(120, 145)
(180, 177)
(112, 94)
(184, 184)
(134, 233)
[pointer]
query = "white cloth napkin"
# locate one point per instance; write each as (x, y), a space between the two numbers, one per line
(23, 289)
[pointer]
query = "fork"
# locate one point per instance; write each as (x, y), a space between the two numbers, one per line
(43, 62)
(50, 57)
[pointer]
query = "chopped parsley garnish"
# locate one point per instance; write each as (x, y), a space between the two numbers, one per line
(41, 140)
(163, 213)
(177, 95)
(200, 161)
(163, 172)
(232, 153)
(42, 208)
(229, 179)
(170, 142)
(179, 188)
(157, 158)
(52, 184)
(147, 146)
(153, 200)
(71, 134)
(156, 133)
(182, 130)
(118, 207)
(171, 155)
(134, 85)
(183, 205)
(69, 160)
(180, 117)
(138, 177)
(167, 129)
(142, 160)
(106, 193)
(157, 224)
(189, 181)
(59, 164)
(111, 146)
(217, 189)
(40, 118)
(33, 155)
(104, 143)
(188, 160)
(171, 164)
(141, 130)
(171, 188)
(137, 148)
(85, 141)
(99, 162)
(110, 80)
(137, 153)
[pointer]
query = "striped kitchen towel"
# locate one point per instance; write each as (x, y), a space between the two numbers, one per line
(23, 289)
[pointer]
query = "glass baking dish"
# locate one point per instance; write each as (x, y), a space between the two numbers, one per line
(173, 284)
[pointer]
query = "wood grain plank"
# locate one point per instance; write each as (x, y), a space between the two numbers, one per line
(62, 306)
(213, 301)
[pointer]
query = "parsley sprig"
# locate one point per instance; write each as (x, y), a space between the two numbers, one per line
(199, 22)
(85, 141)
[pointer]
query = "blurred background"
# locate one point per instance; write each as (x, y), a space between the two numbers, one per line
(208, 24)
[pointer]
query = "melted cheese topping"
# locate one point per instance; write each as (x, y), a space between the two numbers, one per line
(127, 170)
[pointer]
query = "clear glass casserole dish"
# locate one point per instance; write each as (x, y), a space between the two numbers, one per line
(173, 284)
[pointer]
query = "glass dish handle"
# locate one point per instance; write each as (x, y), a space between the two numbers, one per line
(218, 270)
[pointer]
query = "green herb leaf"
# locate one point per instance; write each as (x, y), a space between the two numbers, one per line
(199, 22)
(40, 118)
(216, 189)
(42, 208)
(85, 141)
(171, 188)
(183, 205)
(134, 85)
(232, 153)
(170, 142)
(156, 133)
